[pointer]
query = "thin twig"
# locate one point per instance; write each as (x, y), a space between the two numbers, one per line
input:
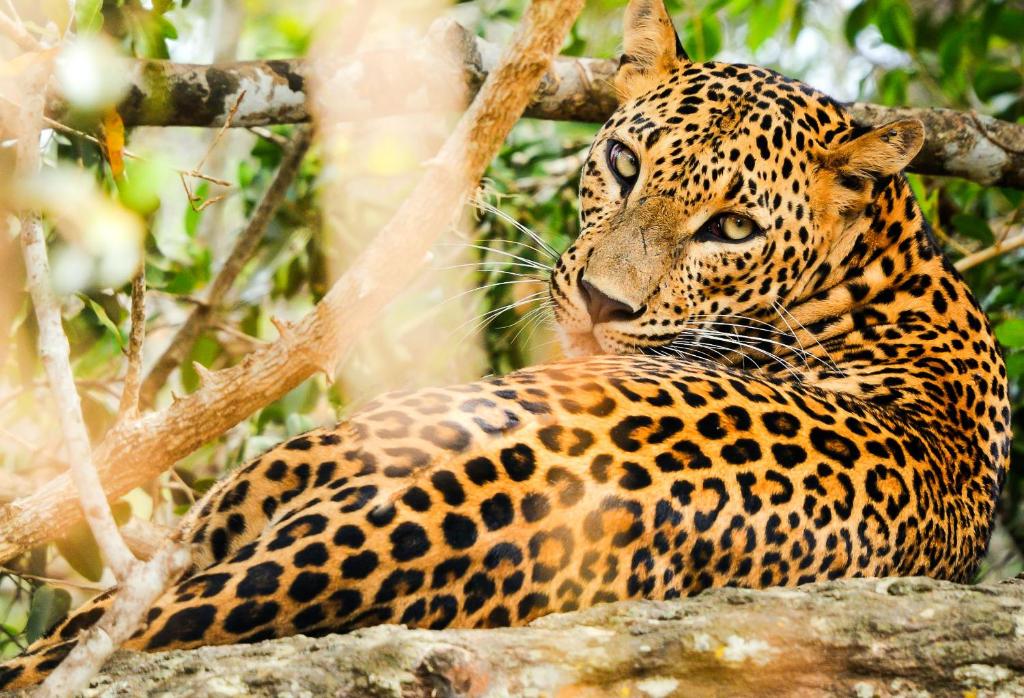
(195, 174)
(192, 198)
(267, 134)
(52, 581)
(15, 31)
(129, 406)
(245, 247)
(1009, 243)
(13, 10)
(33, 448)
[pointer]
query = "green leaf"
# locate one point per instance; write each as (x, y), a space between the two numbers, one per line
(80, 551)
(49, 605)
(166, 29)
(893, 86)
(192, 214)
(859, 17)
(763, 21)
(203, 484)
(1010, 333)
(1015, 365)
(951, 51)
(1010, 25)
(974, 227)
(142, 184)
(896, 23)
(88, 16)
(104, 319)
(990, 81)
(702, 37)
(122, 511)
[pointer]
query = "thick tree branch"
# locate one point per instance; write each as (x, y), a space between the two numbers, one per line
(960, 144)
(134, 452)
(906, 637)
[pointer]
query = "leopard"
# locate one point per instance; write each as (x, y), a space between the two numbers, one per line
(773, 376)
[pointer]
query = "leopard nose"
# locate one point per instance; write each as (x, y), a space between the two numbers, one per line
(604, 308)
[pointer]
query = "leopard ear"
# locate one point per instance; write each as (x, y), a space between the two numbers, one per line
(651, 48)
(865, 162)
(880, 152)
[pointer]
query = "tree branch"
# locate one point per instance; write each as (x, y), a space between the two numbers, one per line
(129, 405)
(1007, 244)
(858, 637)
(16, 32)
(55, 354)
(141, 583)
(960, 144)
(240, 255)
(134, 452)
(133, 600)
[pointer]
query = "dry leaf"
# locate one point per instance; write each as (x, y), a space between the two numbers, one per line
(113, 142)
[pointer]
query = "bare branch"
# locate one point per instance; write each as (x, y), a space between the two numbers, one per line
(141, 583)
(1007, 244)
(961, 144)
(129, 406)
(55, 354)
(132, 453)
(15, 31)
(245, 247)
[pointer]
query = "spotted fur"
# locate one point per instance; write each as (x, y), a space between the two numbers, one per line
(824, 399)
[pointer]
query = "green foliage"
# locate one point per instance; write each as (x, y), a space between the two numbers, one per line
(144, 31)
(49, 605)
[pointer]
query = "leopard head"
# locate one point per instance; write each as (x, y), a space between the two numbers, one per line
(715, 191)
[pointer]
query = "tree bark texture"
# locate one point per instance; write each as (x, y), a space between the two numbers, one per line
(959, 144)
(891, 637)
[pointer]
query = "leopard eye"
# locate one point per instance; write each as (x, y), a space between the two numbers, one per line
(623, 162)
(737, 228)
(729, 227)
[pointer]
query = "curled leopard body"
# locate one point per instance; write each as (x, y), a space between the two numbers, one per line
(777, 378)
